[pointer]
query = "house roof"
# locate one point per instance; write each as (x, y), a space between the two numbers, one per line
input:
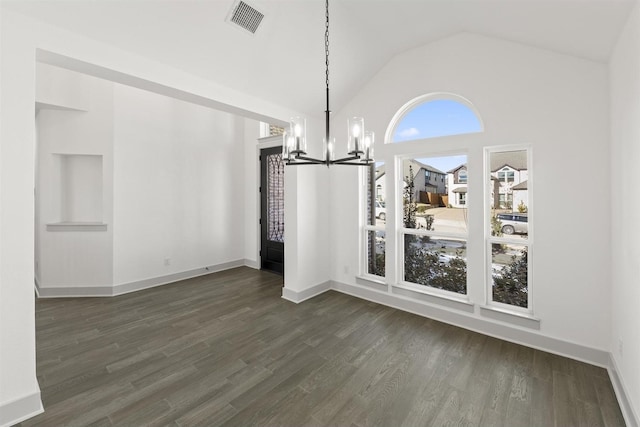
(515, 159)
(460, 190)
(425, 166)
(454, 170)
(380, 171)
(521, 186)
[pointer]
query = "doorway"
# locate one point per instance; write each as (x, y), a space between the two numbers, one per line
(272, 210)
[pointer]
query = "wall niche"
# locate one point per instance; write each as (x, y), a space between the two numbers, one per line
(79, 196)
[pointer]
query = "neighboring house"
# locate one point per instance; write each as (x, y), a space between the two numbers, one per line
(509, 176)
(426, 179)
(520, 195)
(457, 186)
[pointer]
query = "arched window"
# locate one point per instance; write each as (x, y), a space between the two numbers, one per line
(432, 116)
(462, 176)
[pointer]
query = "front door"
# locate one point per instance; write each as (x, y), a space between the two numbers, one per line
(272, 209)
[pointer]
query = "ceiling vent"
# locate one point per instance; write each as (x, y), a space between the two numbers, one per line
(245, 16)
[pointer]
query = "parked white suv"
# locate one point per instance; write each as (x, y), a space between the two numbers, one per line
(514, 222)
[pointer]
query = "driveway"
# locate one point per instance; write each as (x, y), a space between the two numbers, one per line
(448, 220)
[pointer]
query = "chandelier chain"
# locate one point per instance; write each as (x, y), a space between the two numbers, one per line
(326, 42)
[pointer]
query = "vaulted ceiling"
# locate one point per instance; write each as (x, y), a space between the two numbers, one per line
(284, 61)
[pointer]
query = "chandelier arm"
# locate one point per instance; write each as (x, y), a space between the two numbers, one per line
(310, 160)
(346, 159)
(294, 163)
(363, 163)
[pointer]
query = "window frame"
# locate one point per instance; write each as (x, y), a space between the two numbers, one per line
(370, 196)
(517, 240)
(400, 231)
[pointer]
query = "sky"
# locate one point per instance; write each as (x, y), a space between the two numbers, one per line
(446, 163)
(436, 118)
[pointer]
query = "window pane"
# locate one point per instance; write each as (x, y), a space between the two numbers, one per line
(275, 130)
(434, 195)
(509, 194)
(436, 262)
(509, 266)
(376, 209)
(275, 198)
(436, 118)
(375, 253)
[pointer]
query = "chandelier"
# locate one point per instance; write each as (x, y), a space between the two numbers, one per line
(359, 143)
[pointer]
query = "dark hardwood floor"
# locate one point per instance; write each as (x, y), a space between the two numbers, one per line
(225, 349)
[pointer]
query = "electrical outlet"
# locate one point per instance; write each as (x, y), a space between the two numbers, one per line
(167, 261)
(346, 269)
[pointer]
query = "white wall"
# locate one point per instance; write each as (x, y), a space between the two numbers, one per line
(23, 39)
(251, 193)
(60, 88)
(307, 232)
(64, 258)
(555, 103)
(625, 205)
(19, 392)
(178, 186)
(178, 173)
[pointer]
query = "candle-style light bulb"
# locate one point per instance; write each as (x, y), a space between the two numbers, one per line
(329, 149)
(356, 130)
(369, 138)
(299, 134)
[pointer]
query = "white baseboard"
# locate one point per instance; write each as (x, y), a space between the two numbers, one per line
(298, 297)
(252, 264)
(20, 409)
(630, 415)
(488, 327)
(125, 288)
(36, 285)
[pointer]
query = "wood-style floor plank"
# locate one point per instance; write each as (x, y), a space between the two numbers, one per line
(226, 350)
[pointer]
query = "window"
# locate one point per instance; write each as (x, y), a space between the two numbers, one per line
(426, 117)
(428, 201)
(505, 201)
(275, 130)
(509, 238)
(462, 176)
(506, 176)
(433, 237)
(375, 213)
(270, 129)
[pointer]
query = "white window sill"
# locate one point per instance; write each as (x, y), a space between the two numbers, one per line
(374, 282)
(508, 316)
(458, 303)
(77, 226)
